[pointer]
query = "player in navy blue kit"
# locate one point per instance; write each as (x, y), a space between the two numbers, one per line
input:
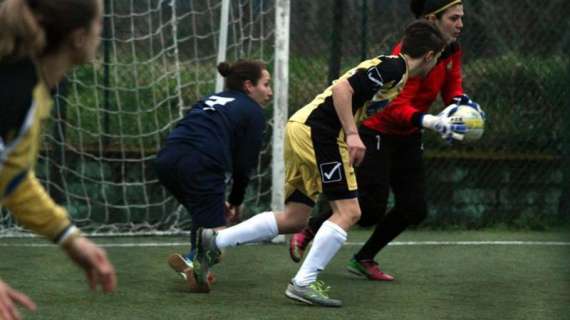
(219, 137)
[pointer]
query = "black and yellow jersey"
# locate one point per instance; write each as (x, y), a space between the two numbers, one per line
(25, 104)
(381, 78)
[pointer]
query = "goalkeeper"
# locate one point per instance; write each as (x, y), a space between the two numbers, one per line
(219, 137)
(393, 138)
(39, 42)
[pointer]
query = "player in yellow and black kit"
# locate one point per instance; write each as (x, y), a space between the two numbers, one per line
(321, 146)
(315, 134)
(393, 160)
(39, 42)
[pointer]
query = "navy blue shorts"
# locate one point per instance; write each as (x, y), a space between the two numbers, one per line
(197, 183)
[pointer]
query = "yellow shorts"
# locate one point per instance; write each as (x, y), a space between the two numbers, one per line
(316, 162)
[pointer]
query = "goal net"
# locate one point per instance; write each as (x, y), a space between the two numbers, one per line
(111, 117)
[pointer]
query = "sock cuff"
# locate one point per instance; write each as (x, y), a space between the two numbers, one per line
(333, 226)
(271, 221)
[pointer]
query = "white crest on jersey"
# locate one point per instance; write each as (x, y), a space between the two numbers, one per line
(375, 76)
(216, 101)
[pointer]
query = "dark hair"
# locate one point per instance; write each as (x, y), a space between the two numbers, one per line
(420, 37)
(38, 27)
(240, 71)
(420, 8)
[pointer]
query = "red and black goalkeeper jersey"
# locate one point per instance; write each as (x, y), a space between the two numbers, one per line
(400, 116)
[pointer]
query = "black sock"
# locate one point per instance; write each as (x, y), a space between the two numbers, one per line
(384, 232)
(317, 221)
(193, 234)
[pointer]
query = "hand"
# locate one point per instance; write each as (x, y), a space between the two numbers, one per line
(9, 298)
(466, 101)
(356, 149)
(232, 213)
(440, 123)
(228, 211)
(93, 260)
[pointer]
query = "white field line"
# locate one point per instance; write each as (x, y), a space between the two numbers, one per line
(395, 243)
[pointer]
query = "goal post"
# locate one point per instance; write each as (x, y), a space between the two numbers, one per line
(280, 101)
(157, 59)
(222, 41)
(280, 105)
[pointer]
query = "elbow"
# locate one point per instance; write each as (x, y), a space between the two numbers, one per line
(341, 88)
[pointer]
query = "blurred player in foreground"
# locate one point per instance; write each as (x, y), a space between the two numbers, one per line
(39, 42)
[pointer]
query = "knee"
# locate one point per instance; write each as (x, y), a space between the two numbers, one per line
(292, 221)
(353, 215)
(297, 225)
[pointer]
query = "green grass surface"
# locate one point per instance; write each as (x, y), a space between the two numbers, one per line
(433, 281)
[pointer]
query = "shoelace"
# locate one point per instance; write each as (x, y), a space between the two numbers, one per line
(321, 288)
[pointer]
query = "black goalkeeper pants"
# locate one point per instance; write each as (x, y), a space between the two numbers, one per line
(392, 163)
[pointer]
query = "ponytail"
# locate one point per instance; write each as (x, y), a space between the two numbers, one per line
(224, 69)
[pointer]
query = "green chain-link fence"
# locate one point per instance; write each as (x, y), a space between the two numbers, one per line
(515, 65)
(156, 55)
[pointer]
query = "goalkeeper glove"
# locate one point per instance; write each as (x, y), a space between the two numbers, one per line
(466, 101)
(441, 124)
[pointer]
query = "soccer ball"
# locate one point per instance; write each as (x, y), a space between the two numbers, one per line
(472, 119)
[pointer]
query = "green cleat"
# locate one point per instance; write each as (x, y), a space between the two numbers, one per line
(207, 254)
(368, 269)
(313, 294)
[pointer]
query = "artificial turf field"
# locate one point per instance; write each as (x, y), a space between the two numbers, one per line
(476, 275)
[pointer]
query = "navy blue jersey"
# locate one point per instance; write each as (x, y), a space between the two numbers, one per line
(227, 128)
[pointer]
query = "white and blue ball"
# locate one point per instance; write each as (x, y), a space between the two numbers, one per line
(473, 120)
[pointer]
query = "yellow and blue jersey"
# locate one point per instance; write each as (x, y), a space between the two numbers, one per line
(25, 105)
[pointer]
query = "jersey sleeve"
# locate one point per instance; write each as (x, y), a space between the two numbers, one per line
(401, 108)
(453, 85)
(248, 145)
(17, 81)
(33, 208)
(366, 82)
(20, 127)
(397, 49)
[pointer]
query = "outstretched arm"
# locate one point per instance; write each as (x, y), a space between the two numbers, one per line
(34, 209)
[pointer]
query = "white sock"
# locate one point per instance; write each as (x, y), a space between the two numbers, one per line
(328, 240)
(260, 227)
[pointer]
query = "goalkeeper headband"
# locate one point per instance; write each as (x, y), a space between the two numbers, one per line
(437, 6)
